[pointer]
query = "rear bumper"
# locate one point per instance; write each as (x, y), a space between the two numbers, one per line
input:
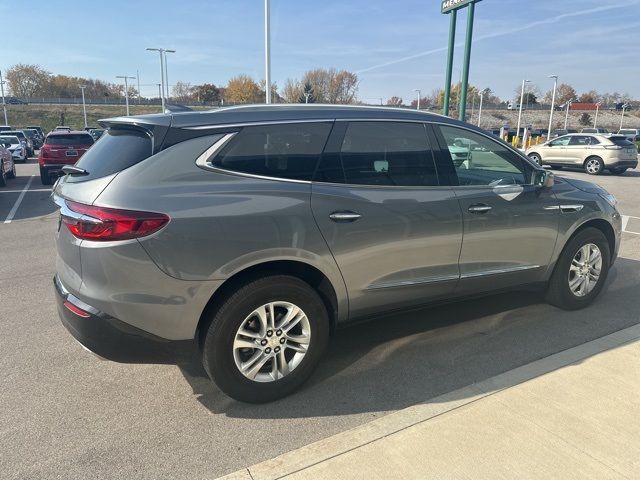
(112, 339)
(623, 164)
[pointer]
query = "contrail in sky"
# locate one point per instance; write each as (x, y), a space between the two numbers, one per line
(502, 33)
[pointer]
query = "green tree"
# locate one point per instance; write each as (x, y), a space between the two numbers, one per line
(307, 94)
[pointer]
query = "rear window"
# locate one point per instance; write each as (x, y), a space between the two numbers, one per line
(11, 140)
(116, 150)
(621, 141)
(283, 151)
(627, 132)
(69, 139)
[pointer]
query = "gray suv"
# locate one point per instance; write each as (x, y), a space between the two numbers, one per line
(253, 232)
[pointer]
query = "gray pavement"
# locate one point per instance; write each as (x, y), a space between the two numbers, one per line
(69, 415)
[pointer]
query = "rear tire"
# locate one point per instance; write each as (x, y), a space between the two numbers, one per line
(594, 165)
(45, 178)
(3, 178)
(535, 157)
(559, 291)
(223, 358)
(12, 174)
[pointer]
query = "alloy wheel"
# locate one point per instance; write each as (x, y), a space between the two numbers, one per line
(585, 269)
(593, 166)
(271, 341)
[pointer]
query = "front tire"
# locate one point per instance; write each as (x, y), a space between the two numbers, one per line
(594, 165)
(581, 271)
(265, 340)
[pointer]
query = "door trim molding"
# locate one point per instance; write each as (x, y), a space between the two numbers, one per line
(497, 271)
(409, 283)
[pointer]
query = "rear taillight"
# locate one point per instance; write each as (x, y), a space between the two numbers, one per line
(109, 224)
(613, 147)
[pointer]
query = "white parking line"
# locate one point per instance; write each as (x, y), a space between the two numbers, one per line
(625, 222)
(18, 201)
(32, 190)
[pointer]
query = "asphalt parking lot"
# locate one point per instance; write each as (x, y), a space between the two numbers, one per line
(66, 414)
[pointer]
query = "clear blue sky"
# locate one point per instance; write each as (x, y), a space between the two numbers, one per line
(394, 46)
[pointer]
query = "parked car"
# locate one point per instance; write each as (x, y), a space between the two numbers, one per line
(601, 131)
(7, 165)
(61, 148)
(632, 134)
(96, 133)
(558, 132)
(594, 153)
(5, 128)
(15, 101)
(34, 137)
(15, 146)
(28, 144)
(253, 232)
(38, 129)
(61, 128)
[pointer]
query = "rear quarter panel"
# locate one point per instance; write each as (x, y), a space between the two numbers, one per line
(220, 223)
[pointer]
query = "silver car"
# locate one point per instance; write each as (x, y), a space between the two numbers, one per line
(252, 233)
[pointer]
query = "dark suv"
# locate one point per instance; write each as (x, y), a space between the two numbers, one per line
(253, 232)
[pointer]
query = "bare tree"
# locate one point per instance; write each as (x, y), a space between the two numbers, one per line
(182, 91)
(292, 91)
(395, 102)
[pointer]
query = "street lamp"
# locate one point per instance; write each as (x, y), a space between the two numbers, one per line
(267, 51)
(624, 107)
(161, 52)
(524, 82)
(553, 104)
(166, 71)
(566, 117)
(595, 121)
(419, 92)
(4, 105)
(481, 93)
(84, 106)
(126, 90)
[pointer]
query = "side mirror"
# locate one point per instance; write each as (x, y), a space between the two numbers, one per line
(544, 179)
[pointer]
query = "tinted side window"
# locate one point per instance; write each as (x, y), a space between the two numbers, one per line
(561, 142)
(580, 140)
(284, 151)
(71, 139)
(116, 150)
(387, 153)
(479, 160)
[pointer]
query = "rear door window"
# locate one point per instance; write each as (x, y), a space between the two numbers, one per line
(116, 150)
(289, 151)
(580, 140)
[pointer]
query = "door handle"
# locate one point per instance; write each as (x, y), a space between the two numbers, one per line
(343, 217)
(479, 208)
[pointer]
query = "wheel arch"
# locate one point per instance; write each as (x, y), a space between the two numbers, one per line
(605, 227)
(304, 271)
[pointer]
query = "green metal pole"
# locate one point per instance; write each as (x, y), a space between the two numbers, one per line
(467, 60)
(452, 42)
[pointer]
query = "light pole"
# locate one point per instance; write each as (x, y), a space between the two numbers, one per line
(482, 92)
(524, 82)
(566, 117)
(4, 105)
(419, 92)
(161, 52)
(553, 104)
(267, 51)
(126, 90)
(138, 77)
(306, 96)
(160, 94)
(595, 121)
(624, 107)
(166, 71)
(84, 106)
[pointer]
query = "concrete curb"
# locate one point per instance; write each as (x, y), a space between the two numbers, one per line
(315, 453)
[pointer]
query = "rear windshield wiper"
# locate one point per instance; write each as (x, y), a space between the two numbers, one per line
(73, 170)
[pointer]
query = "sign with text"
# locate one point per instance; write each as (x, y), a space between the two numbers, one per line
(449, 5)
